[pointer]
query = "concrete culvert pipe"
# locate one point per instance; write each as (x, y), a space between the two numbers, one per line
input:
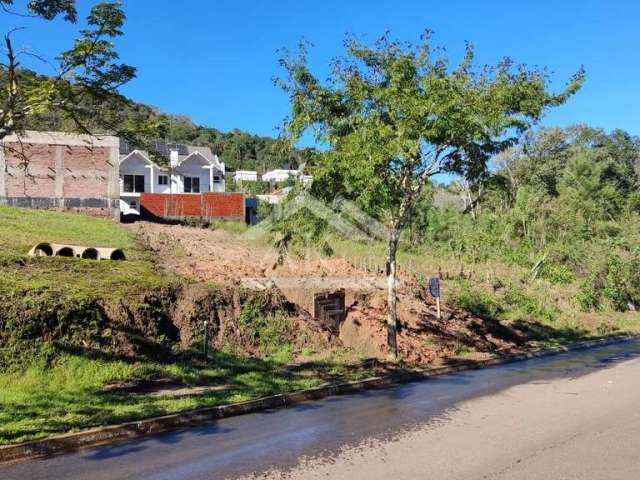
(65, 252)
(117, 254)
(111, 254)
(90, 253)
(42, 249)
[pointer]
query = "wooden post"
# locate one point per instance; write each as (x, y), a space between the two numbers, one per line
(205, 343)
(438, 308)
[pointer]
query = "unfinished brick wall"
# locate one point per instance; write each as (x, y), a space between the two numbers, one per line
(58, 170)
(228, 206)
(33, 177)
(171, 205)
(86, 172)
(223, 205)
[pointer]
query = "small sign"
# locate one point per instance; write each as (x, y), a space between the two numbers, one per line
(434, 287)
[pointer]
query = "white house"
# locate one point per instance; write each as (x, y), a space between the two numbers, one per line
(245, 176)
(188, 169)
(279, 176)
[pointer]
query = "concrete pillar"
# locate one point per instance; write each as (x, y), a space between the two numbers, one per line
(210, 178)
(3, 168)
(152, 179)
(59, 185)
(113, 185)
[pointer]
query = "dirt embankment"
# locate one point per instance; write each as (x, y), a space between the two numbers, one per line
(229, 260)
(156, 324)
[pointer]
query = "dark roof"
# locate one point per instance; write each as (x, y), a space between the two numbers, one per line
(163, 148)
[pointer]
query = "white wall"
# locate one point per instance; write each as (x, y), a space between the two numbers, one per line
(278, 175)
(246, 176)
(135, 165)
(157, 188)
(197, 166)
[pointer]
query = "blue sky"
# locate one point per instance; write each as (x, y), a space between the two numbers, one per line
(214, 60)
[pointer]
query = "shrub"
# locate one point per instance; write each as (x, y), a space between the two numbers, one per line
(528, 305)
(558, 274)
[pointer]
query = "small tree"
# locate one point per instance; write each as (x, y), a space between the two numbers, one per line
(82, 88)
(395, 114)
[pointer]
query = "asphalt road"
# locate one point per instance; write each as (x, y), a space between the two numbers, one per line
(570, 416)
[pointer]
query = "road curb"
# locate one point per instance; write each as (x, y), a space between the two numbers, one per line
(125, 431)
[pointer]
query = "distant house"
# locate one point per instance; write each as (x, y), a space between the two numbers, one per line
(279, 176)
(101, 175)
(188, 169)
(245, 176)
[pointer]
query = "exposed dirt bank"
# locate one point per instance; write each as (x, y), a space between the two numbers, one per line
(153, 324)
(230, 260)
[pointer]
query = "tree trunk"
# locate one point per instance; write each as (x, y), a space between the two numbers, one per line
(392, 322)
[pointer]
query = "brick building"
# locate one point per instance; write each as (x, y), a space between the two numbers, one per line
(61, 170)
(102, 175)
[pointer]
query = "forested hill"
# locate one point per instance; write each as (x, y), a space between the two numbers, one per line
(238, 149)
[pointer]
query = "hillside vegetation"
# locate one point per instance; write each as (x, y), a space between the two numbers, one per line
(237, 149)
(548, 240)
(544, 251)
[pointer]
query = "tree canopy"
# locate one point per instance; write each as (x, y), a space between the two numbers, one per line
(394, 114)
(84, 87)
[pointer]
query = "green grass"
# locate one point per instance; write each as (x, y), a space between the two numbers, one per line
(21, 229)
(68, 395)
(231, 227)
(548, 308)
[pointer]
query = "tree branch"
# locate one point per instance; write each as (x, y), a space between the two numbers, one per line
(9, 114)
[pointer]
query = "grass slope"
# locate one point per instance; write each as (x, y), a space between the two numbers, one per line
(46, 392)
(547, 311)
(21, 229)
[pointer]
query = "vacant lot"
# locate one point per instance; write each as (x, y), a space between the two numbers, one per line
(86, 343)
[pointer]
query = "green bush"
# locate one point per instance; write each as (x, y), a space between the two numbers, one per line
(558, 274)
(530, 306)
(271, 332)
(587, 296)
(614, 284)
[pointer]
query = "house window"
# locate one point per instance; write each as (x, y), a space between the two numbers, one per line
(192, 184)
(216, 179)
(133, 183)
(163, 179)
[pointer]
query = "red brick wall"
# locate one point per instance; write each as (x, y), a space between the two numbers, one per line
(217, 205)
(40, 178)
(85, 171)
(223, 205)
(175, 205)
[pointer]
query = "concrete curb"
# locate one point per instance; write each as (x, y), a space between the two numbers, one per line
(124, 431)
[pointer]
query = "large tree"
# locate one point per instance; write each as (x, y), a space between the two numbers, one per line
(82, 82)
(394, 114)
